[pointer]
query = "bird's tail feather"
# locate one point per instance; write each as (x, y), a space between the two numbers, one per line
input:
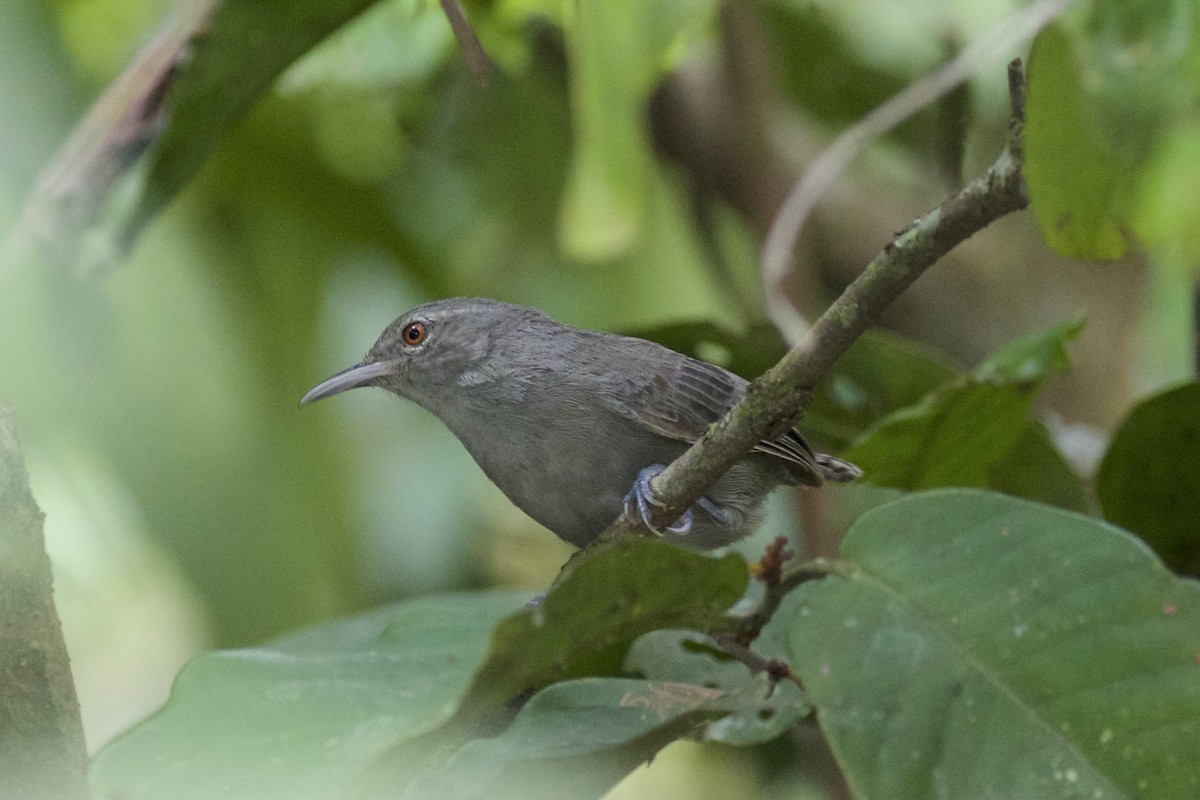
(836, 470)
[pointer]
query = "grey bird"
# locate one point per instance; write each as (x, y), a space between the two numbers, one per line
(574, 424)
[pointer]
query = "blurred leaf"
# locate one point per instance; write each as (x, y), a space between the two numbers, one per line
(576, 740)
(75, 189)
(989, 647)
(1102, 92)
(246, 46)
(300, 718)
(880, 373)
(746, 354)
(1036, 470)
(1031, 358)
(617, 48)
(1149, 480)
(615, 596)
(955, 436)
(1074, 174)
(234, 51)
(830, 75)
(1168, 216)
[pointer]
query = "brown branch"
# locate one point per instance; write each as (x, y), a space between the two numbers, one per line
(476, 57)
(776, 400)
(746, 629)
(42, 751)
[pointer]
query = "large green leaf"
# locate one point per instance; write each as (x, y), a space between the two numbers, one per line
(154, 127)
(577, 739)
(325, 710)
(1036, 470)
(302, 717)
(1104, 89)
(988, 647)
(585, 625)
(976, 430)
(1149, 480)
(618, 48)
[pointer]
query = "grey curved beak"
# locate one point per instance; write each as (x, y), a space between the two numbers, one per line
(352, 378)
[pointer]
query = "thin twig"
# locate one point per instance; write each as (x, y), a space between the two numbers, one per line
(748, 627)
(776, 669)
(824, 170)
(775, 400)
(477, 58)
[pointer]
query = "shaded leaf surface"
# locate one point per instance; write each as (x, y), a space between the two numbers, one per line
(585, 625)
(577, 739)
(976, 430)
(1107, 89)
(300, 718)
(989, 647)
(1149, 482)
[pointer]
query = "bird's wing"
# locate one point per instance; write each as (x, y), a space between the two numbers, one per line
(683, 396)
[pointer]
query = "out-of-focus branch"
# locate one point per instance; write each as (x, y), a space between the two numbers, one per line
(775, 400)
(477, 58)
(825, 169)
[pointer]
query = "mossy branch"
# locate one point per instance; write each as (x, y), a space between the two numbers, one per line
(776, 400)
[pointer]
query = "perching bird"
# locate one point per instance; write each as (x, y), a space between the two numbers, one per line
(573, 424)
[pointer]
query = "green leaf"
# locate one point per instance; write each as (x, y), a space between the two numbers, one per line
(302, 717)
(988, 647)
(1105, 87)
(1036, 470)
(968, 432)
(618, 48)
(615, 596)
(1074, 173)
(154, 128)
(880, 373)
(1149, 480)
(576, 740)
(1033, 357)
(246, 46)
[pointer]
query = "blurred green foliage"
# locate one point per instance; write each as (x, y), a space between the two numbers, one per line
(176, 289)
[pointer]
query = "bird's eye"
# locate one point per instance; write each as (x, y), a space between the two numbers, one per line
(414, 333)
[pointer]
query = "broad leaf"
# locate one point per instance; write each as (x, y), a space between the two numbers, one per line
(1149, 481)
(1105, 87)
(988, 647)
(302, 717)
(577, 739)
(1036, 470)
(976, 429)
(618, 48)
(153, 128)
(585, 625)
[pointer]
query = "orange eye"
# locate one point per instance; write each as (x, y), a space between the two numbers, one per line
(414, 333)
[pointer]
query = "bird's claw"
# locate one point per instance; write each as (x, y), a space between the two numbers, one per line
(641, 496)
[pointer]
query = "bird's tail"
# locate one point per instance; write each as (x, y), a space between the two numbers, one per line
(836, 470)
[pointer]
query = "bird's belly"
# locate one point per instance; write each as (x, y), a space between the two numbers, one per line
(570, 481)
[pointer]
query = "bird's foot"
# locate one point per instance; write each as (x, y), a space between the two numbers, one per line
(641, 497)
